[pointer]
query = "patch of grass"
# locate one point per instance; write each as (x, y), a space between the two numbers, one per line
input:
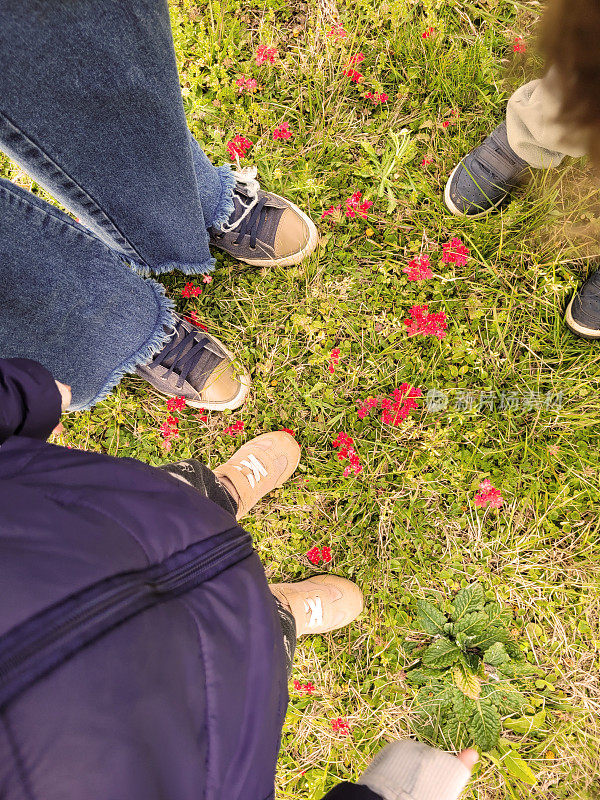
(407, 527)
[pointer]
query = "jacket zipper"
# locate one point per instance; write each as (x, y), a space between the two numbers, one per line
(135, 594)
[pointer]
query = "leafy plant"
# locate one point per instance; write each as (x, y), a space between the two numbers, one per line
(467, 676)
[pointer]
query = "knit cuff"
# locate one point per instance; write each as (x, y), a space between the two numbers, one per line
(410, 770)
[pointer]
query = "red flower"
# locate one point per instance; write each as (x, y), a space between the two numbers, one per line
(395, 409)
(189, 290)
(340, 725)
(193, 318)
(422, 322)
(238, 146)
(304, 688)
(332, 210)
(376, 98)
(354, 206)
(519, 45)
(426, 161)
(488, 496)
(455, 252)
(174, 421)
(314, 555)
(343, 443)
(245, 84)
(282, 132)
(427, 33)
(337, 32)
(356, 59)
(265, 55)
(176, 403)
(288, 430)
(234, 429)
(201, 415)
(334, 359)
(354, 75)
(326, 554)
(419, 268)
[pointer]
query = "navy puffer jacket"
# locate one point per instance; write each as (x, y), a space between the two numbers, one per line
(141, 656)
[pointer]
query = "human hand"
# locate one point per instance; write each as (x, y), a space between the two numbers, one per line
(65, 395)
(421, 772)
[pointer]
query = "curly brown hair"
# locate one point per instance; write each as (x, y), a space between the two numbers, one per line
(570, 40)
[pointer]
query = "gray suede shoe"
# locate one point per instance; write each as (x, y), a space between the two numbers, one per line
(485, 178)
(197, 366)
(264, 228)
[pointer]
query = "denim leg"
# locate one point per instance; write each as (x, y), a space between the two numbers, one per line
(91, 108)
(70, 302)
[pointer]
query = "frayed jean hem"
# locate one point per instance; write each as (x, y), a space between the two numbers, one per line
(225, 206)
(145, 270)
(161, 333)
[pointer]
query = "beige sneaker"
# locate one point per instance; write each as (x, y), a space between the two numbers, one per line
(320, 604)
(258, 467)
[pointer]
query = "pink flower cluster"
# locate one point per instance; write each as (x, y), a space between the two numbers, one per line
(234, 429)
(419, 268)
(189, 290)
(488, 496)
(315, 555)
(343, 443)
(340, 725)
(334, 359)
(426, 324)
(305, 688)
(455, 252)
(245, 84)
(376, 98)
(282, 132)
(265, 55)
(426, 161)
(337, 32)
(170, 428)
(238, 146)
(354, 206)
(519, 45)
(394, 409)
(427, 33)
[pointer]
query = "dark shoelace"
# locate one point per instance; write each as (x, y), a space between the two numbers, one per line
(253, 223)
(192, 352)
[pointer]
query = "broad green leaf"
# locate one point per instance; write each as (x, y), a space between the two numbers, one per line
(420, 677)
(456, 735)
(497, 614)
(505, 697)
(467, 682)
(464, 707)
(489, 636)
(484, 725)
(441, 653)
(496, 655)
(472, 624)
(469, 599)
(526, 724)
(516, 767)
(430, 618)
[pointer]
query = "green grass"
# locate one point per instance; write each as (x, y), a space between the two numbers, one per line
(407, 526)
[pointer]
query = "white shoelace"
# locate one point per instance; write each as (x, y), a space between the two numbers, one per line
(257, 470)
(316, 611)
(247, 178)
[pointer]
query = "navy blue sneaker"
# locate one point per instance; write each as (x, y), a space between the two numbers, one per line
(484, 179)
(583, 312)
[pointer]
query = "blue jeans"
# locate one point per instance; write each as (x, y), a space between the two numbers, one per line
(91, 108)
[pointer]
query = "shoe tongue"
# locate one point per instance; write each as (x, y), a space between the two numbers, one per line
(198, 374)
